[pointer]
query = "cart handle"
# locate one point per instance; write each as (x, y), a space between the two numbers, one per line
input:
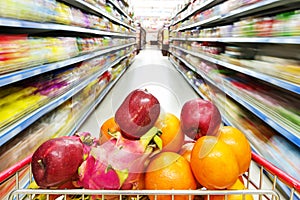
(287, 179)
(14, 169)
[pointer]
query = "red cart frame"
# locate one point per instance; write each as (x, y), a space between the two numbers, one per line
(255, 189)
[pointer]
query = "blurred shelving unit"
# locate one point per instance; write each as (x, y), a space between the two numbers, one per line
(239, 51)
(104, 41)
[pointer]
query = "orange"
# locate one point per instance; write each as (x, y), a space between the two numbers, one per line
(239, 145)
(238, 185)
(172, 137)
(168, 171)
(108, 126)
(213, 163)
(186, 150)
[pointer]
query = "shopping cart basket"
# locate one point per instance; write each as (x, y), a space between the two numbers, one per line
(265, 171)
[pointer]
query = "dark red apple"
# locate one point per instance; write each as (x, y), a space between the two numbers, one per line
(137, 113)
(56, 161)
(199, 117)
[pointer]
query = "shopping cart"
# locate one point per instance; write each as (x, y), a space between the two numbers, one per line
(256, 180)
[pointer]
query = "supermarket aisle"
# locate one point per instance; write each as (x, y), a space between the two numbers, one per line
(152, 71)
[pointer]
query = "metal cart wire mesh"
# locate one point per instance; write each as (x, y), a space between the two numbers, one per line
(254, 180)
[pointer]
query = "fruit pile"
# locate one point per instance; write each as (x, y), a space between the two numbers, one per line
(141, 147)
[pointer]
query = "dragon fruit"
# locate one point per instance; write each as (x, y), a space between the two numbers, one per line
(117, 163)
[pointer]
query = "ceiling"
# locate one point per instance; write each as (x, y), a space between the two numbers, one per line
(152, 14)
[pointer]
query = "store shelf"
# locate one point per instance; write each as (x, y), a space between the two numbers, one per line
(271, 40)
(254, 109)
(257, 7)
(202, 22)
(9, 78)
(240, 12)
(205, 5)
(116, 5)
(23, 123)
(184, 7)
(93, 9)
(16, 23)
(273, 80)
(25, 183)
(267, 114)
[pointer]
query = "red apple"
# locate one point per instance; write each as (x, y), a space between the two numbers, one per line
(199, 117)
(137, 113)
(56, 161)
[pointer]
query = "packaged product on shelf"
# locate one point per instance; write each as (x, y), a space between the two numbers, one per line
(287, 24)
(90, 67)
(105, 77)
(266, 60)
(19, 103)
(279, 106)
(108, 41)
(103, 24)
(60, 48)
(31, 95)
(79, 18)
(13, 50)
(203, 88)
(264, 27)
(283, 24)
(294, 23)
(109, 8)
(116, 28)
(258, 94)
(51, 86)
(63, 13)
(86, 45)
(115, 71)
(10, 94)
(93, 21)
(283, 68)
(226, 31)
(240, 52)
(43, 10)
(23, 52)
(57, 12)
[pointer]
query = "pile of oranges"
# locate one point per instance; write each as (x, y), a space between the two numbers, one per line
(210, 162)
